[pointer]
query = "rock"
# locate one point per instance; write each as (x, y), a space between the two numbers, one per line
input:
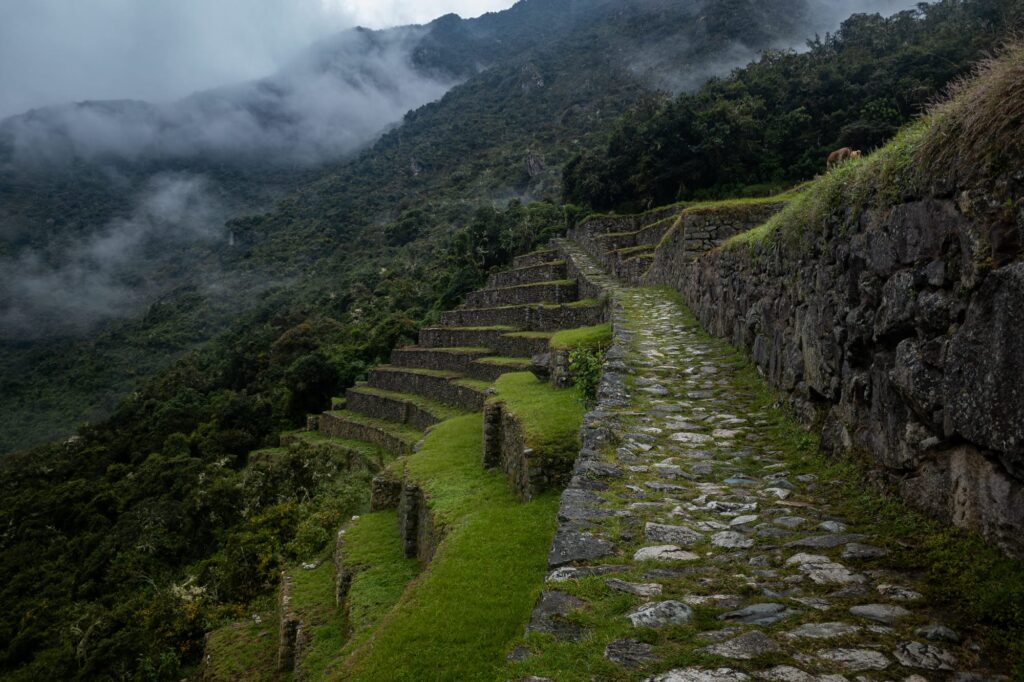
(790, 521)
(883, 613)
(700, 675)
(745, 647)
(825, 541)
(802, 558)
(831, 574)
(679, 535)
(855, 659)
(518, 654)
(731, 539)
(980, 402)
(664, 553)
(832, 526)
(937, 633)
(549, 615)
(561, 575)
(569, 546)
(758, 614)
(824, 630)
(787, 673)
(925, 656)
(899, 593)
(660, 614)
(638, 589)
(743, 520)
(855, 550)
(629, 653)
(534, 678)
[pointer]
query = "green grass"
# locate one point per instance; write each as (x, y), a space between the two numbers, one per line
(313, 601)
(531, 335)
(599, 336)
(550, 418)
(511, 362)
(243, 652)
(458, 620)
(550, 283)
(635, 250)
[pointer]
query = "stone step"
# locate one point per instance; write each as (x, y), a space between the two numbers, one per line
(489, 369)
(541, 272)
(442, 359)
(562, 291)
(522, 344)
(370, 454)
(646, 236)
(449, 388)
(414, 410)
(533, 317)
(396, 438)
(535, 258)
(462, 337)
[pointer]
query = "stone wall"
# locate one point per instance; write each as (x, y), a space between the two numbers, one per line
(420, 535)
(529, 472)
(900, 339)
(697, 232)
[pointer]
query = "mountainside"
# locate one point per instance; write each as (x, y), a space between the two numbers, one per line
(176, 513)
(79, 331)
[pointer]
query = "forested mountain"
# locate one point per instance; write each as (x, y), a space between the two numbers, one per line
(256, 323)
(101, 288)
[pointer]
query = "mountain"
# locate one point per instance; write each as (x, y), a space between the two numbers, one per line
(257, 321)
(115, 258)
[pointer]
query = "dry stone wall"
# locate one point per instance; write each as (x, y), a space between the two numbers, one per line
(900, 339)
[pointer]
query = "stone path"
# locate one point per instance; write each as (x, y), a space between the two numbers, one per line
(709, 557)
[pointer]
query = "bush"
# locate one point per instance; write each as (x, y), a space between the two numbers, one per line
(585, 370)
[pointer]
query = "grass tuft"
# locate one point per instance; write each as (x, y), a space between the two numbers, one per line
(550, 418)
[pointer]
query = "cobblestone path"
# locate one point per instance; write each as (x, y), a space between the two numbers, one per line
(691, 549)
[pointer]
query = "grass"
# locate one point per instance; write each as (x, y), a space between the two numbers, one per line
(550, 283)
(458, 620)
(511, 362)
(313, 601)
(243, 652)
(599, 336)
(550, 418)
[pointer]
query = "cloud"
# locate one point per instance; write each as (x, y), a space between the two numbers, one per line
(69, 288)
(384, 13)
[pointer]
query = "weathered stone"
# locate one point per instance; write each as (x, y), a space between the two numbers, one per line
(700, 675)
(899, 593)
(786, 673)
(746, 646)
(731, 539)
(569, 546)
(549, 615)
(660, 614)
(638, 589)
(825, 541)
(758, 614)
(856, 659)
(679, 535)
(824, 630)
(629, 653)
(829, 573)
(981, 403)
(855, 550)
(924, 656)
(664, 553)
(937, 633)
(883, 613)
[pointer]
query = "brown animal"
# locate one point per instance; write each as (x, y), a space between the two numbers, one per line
(841, 156)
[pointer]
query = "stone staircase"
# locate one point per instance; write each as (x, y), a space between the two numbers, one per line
(646, 248)
(448, 374)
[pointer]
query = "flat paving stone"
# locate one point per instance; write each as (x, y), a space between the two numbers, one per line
(745, 647)
(661, 613)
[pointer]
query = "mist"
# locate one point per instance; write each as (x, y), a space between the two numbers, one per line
(71, 287)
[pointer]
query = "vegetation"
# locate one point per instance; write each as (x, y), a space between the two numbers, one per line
(463, 613)
(774, 122)
(599, 336)
(549, 417)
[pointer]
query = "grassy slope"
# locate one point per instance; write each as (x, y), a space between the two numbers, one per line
(587, 337)
(457, 621)
(550, 418)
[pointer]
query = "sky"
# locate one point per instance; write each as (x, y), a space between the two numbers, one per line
(55, 51)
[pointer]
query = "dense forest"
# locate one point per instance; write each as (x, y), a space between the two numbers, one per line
(123, 545)
(773, 123)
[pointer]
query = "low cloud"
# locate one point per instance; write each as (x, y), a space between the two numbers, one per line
(329, 101)
(67, 290)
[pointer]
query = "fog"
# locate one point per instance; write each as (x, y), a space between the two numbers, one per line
(71, 287)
